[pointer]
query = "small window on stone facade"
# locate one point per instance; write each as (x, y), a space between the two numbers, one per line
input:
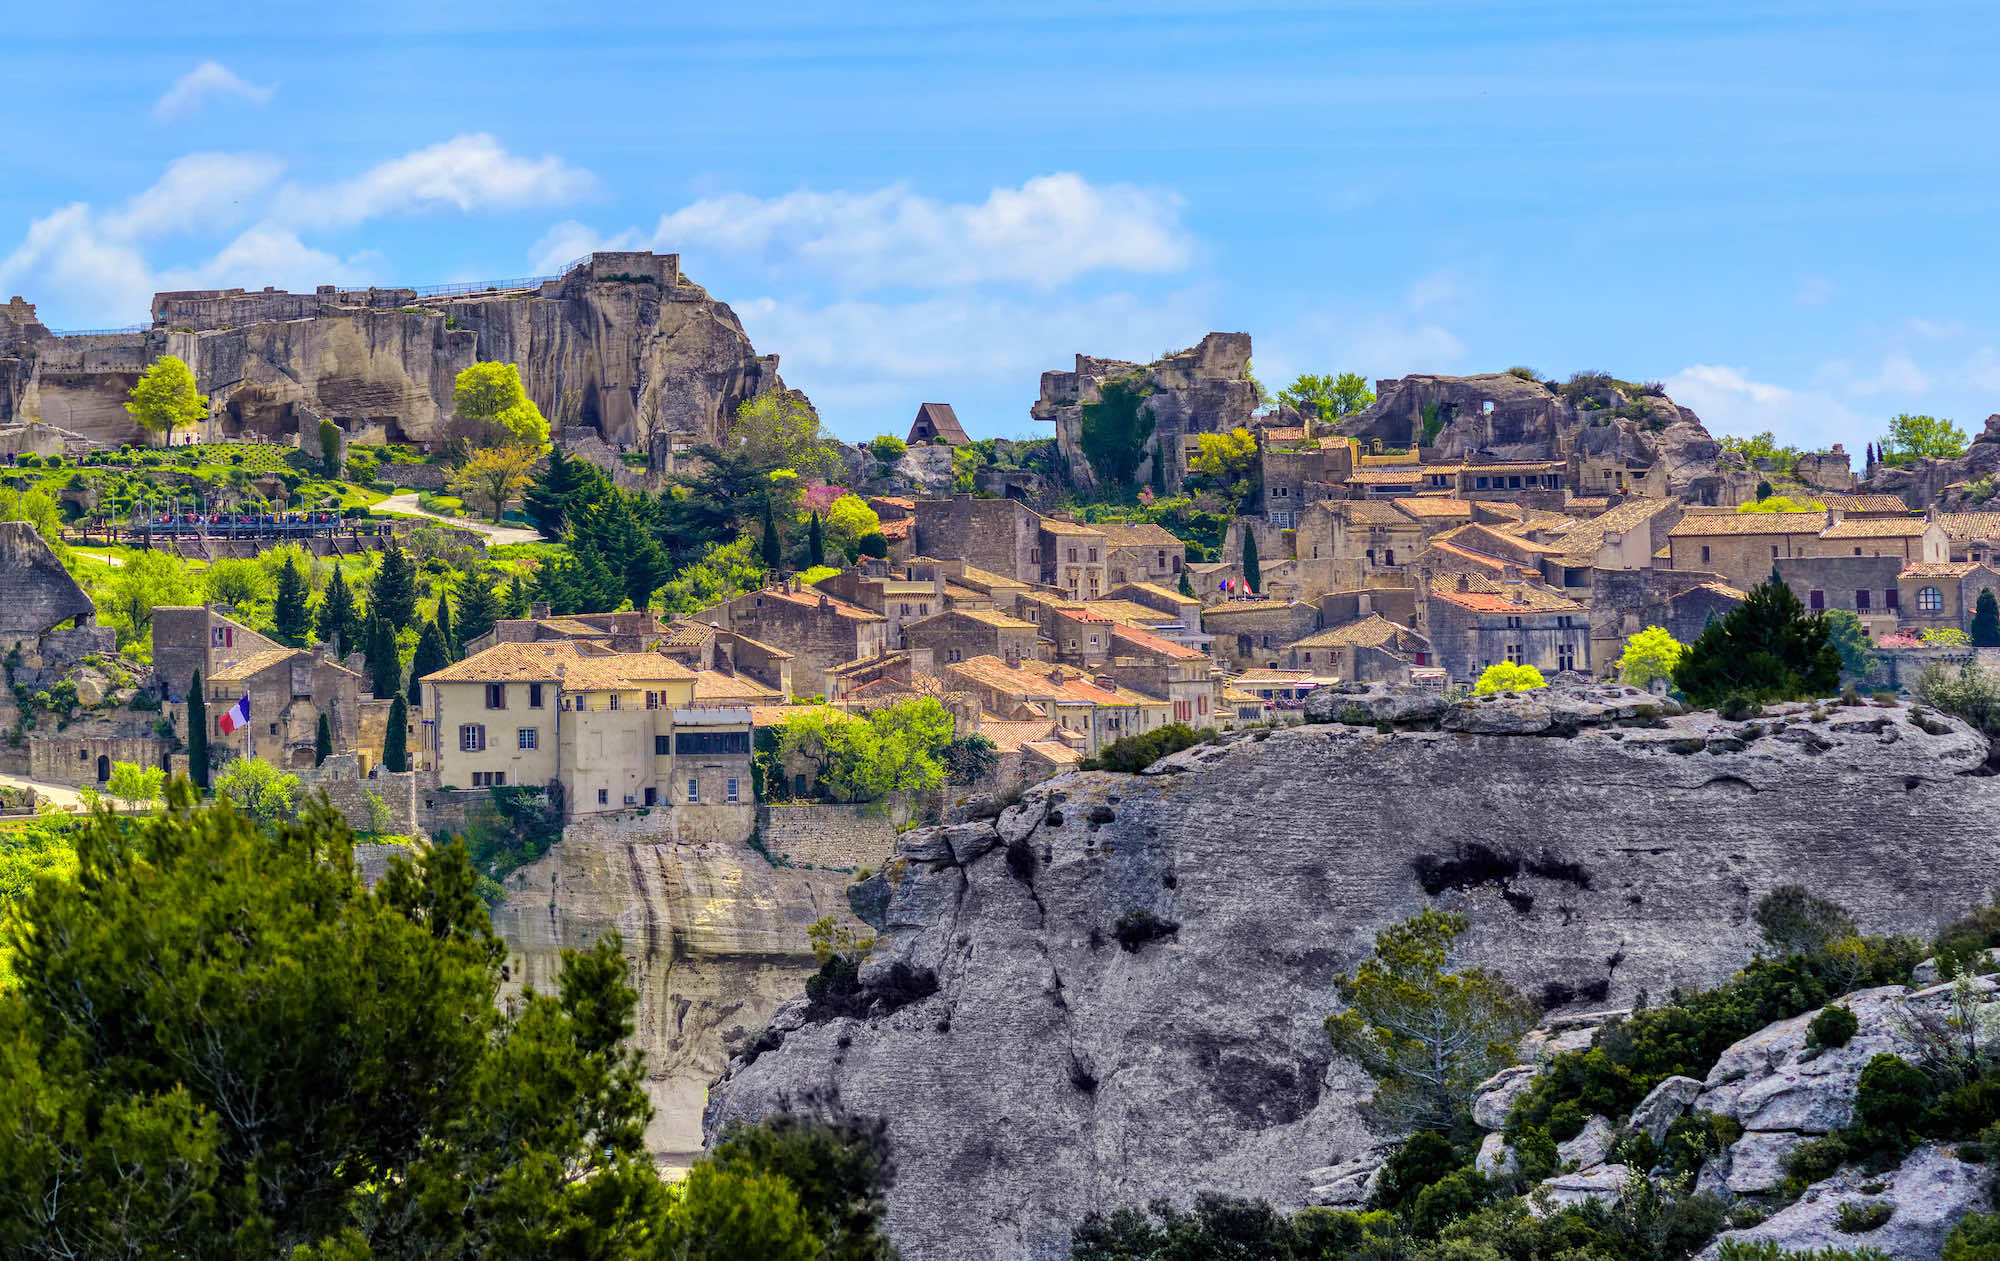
(534, 696)
(1816, 600)
(1704, 555)
(1514, 653)
(1774, 551)
(496, 696)
(733, 796)
(694, 792)
(603, 796)
(614, 700)
(529, 737)
(1565, 657)
(471, 738)
(1930, 600)
(1892, 599)
(1861, 601)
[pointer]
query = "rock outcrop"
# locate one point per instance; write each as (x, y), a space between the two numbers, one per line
(1949, 483)
(1204, 389)
(1055, 1071)
(621, 343)
(36, 592)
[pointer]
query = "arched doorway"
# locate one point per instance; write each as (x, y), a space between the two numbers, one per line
(103, 769)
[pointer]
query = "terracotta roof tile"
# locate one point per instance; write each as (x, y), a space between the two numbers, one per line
(1877, 528)
(1697, 525)
(1966, 526)
(1148, 641)
(1425, 506)
(511, 663)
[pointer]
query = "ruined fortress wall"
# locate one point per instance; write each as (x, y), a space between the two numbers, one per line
(839, 837)
(1614, 861)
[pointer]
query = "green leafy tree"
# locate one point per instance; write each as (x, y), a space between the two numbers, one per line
(890, 752)
(479, 607)
(1780, 503)
(1252, 576)
(849, 519)
(1186, 588)
(338, 621)
(1427, 1036)
(838, 1172)
(1761, 446)
(145, 581)
(772, 554)
(132, 783)
(431, 656)
(887, 448)
(1226, 463)
(1650, 654)
(780, 429)
(410, 1114)
(815, 543)
(1986, 620)
(396, 744)
(260, 790)
(239, 582)
(633, 557)
(290, 620)
(1508, 676)
(1115, 429)
(392, 594)
(1850, 639)
(38, 508)
(329, 448)
(165, 398)
(322, 741)
(1766, 649)
(197, 733)
(517, 599)
(1919, 437)
(1334, 396)
(492, 408)
(875, 545)
(562, 489)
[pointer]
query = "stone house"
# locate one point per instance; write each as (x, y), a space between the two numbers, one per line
(937, 422)
(961, 634)
(1473, 623)
(1254, 632)
(617, 731)
(1370, 649)
(1074, 557)
(289, 688)
(189, 637)
(898, 598)
(1972, 536)
(1742, 546)
(1623, 602)
(1937, 594)
(1396, 604)
(818, 630)
(1141, 553)
(1184, 610)
(1917, 540)
(1867, 586)
(1148, 664)
(715, 655)
(1296, 471)
(1097, 710)
(999, 536)
(631, 631)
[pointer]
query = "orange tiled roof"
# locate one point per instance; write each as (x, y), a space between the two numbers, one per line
(510, 663)
(1152, 643)
(1966, 526)
(1877, 528)
(1696, 525)
(1434, 506)
(1533, 600)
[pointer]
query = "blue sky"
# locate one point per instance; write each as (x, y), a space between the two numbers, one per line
(1784, 210)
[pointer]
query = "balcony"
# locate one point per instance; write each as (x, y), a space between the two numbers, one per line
(731, 714)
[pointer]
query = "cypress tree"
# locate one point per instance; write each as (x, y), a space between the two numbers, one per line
(338, 622)
(322, 742)
(815, 543)
(383, 667)
(1251, 576)
(1986, 620)
(289, 618)
(478, 608)
(443, 622)
(393, 594)
(1187, 588)
(396, 744)
(773, 551)
(431, 656)
(517, 598)
(197, 734)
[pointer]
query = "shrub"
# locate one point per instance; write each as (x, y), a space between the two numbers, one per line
(1135, 928)
(1793, 921)
(1508, 676)
(1891, 1096)
(1422, 1161)
(1858, 1219)
(1835, 1026)
(1967, 938)
(1971, 692)
(1133, 754)
(887, 448)
(1975, 1238)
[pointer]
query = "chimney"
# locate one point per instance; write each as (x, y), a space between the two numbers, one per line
(1108, 683)
(824, 603)
(539, 610)
(1464, 583)
(1834, 516)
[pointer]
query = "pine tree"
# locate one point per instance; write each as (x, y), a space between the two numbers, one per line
(431, 656)
(289, 618)
(338, 622)
(1251, 577)
(197, 734)
(393, 594)
(815, 543)
(1766, 649)
(517, 598)
(479, 607)
(1986, 620)
(322, 742)
(773, 552)
(565, 488)
(383, 667)
(396, 744)
(443, 620)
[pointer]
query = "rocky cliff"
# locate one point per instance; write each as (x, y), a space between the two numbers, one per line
(622, 343)
(716, 935)
(1509, 417)
(1597, 850)
(1204, 389)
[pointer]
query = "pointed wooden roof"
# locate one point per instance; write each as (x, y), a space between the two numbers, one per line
(938, 422)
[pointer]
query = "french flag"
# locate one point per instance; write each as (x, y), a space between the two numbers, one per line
(235, 716)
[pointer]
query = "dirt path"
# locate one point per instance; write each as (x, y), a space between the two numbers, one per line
(407, 503)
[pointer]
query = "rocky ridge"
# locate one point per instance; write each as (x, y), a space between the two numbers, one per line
(1598, 842)
(1204, 389)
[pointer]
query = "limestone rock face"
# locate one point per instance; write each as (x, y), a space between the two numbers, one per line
(1770, 1081)
(1205, 389)
(1589, 1148)
(1930, 1192)
(1054, 1072)
(717, 940)
(1662, 1106)
(36, 592)
(1498, 1094)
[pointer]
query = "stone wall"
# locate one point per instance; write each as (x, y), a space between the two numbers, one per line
(840, 838)
(424, 476)
(339, 777)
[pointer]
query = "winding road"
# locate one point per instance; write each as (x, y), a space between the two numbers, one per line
(495, 534)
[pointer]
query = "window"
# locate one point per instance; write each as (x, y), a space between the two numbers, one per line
(472, 738)
(953, 654)
(529, 738)
(1892, 599)
(274, 729)
(496, 696)
(1035, 554)
(652, 700)
(1480, 484)
(216, 639)
(1857, 551)
(732, 792)
(1861, 601)
(662, 746)
(1072, 555)
(1514, 653)
(698, 742)
(1774, 551)
(905, 610)
(489, 779)
(694, 792)
(1513, 623)
(1513, 483)
(1930, 600)
(923, 610)
(1161, 563)
(614, 700)
(603, 797)
(1093, 556)
(1704, 555)
(1816, 600)
(534, 696)
(1566, 657)
(652, 796)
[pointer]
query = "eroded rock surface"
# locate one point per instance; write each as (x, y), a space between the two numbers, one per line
(1054, 1072)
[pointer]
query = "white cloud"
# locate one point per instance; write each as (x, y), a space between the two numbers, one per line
(1041, 235)
(1813, 291)
(269, 255)
(1730, 402)
(466, 173)
(200, 192)
(209, 79)
(67, 253)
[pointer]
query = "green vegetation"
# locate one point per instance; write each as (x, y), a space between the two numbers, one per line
(1986, 620)
(887, 448)
(895, 751)
(1253, 576)
(1650, 654)
(512, 827)
(264, 793)
(1780, 503)
(1225, 464)
(1115, 429)
(165, 398)
(491, 408)
(1914, 437)
(1762, 446)
(30, 850)
(1132, 754)
(1766, 649)
(1849, 638)
(1334, 396)
(1508, 676)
